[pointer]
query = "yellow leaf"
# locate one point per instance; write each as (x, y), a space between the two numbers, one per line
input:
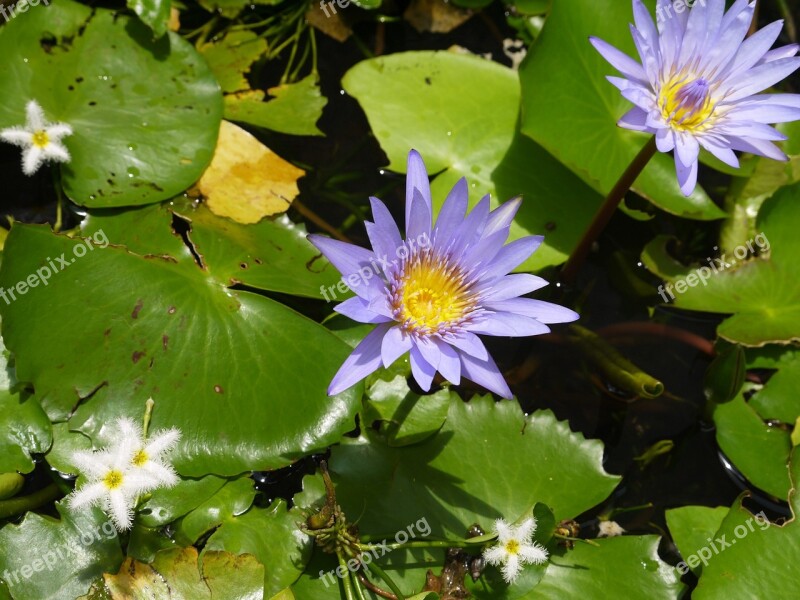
(246, 181)
(174, 23)
(332, 24)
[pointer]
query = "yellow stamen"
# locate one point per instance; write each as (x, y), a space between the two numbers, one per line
(431, 295)
(512, 547)
(113, 479)
(41, 139)
(140, 458)
(686, 103)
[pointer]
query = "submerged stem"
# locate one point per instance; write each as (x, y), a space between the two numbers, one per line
(16, 506)
(357, 587)
(606, 211)
(60, 199)
(346, 581)
(615, 368)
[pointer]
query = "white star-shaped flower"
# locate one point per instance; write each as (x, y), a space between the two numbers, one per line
(132, 466)
(515, 547)
(111, 483)
(148, 457)
(40, 140)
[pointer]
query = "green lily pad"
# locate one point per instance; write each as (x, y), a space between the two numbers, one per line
(167, 504)
(50, 559)
(65, 444)
(763, 293)
(234, 498)
(436, 103)
(231, 57)
(24, 430)
(406, 417)
(778, 398)
(272, 255)
(749, 190)
(628, 565)
(220, 363)
(294, 109)
(24, 426)
(759, 451)
(273, 537)
(153, 13)
(178, 573)
(726, 373)
(488, 461)
(521, 460)
(691, 527)
(145, 113)
(145, 542)
(752, 549)
(572, 111)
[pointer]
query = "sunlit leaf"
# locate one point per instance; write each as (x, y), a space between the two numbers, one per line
(246, 181)
(145, 114)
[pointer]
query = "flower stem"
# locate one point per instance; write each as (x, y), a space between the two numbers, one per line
(618, 511)
(318, 221)
(16, 506)
(574, 539)
(615, 368)
(357, 587)
(606, 211)
(388, 580)
(313, 39)
(422, 544)
(296, 37)
(348, 584)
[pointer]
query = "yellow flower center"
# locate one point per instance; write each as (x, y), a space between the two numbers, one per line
(431, 295)
(512, 547)
(140, 458)
(686, 103)
(113, 479)
(41, 139)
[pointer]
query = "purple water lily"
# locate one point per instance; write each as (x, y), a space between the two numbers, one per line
(432, 294)
(696, 84)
